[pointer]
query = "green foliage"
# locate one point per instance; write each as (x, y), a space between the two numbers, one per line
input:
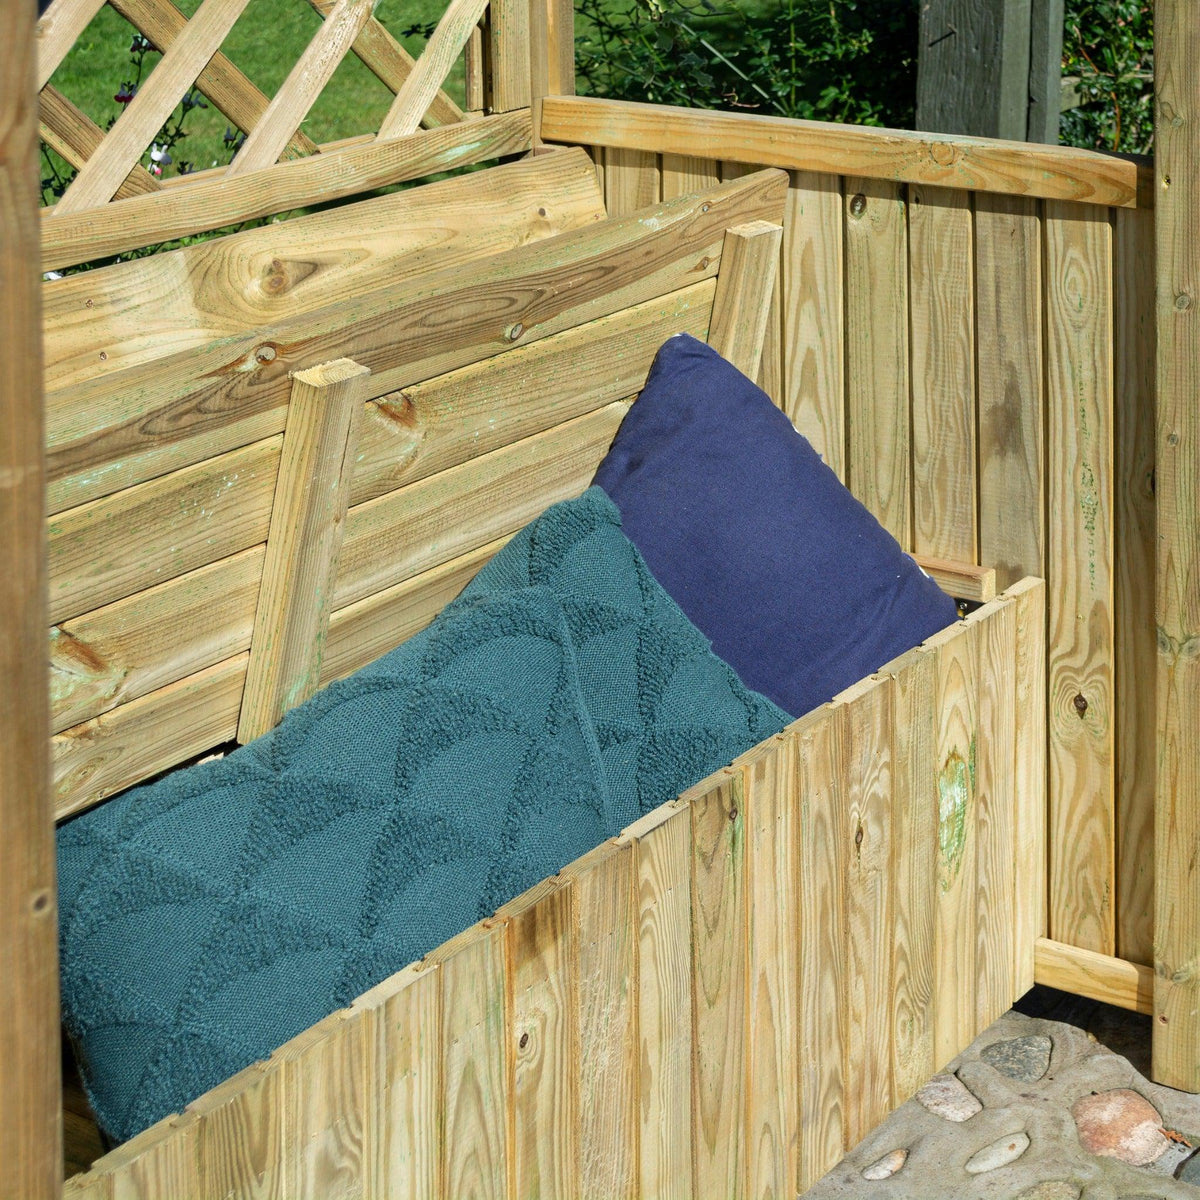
(1109, 46)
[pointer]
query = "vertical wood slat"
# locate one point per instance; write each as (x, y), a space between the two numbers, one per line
(879, 468)
(1177, 606)
(1011, 383)
(402, 1131)
(942, 329)
(772, 869)
(1133, 520)
(681, 175)
(1078, 283)
(475, 1095)
(1029, 830)
(996, 766)
(237, 98)
(240, 1134)
(543, 1051)
(631, 180)
(300, 90)
(957, 720)
(473, 71)
(821, 1022)
(97, 182)
(552, 48)
(149, 1165)
(745, 292)
(718, 945)
(509, 54)
(454, 30)
(605, 928)
(30, 1096)
(307, 521)
(812, 303)
(913, 869)
(662, 858)
(867, 951)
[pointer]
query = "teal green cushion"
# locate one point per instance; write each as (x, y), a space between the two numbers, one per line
(208, 917)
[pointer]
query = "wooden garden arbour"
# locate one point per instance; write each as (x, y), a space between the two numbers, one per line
(1095, 937)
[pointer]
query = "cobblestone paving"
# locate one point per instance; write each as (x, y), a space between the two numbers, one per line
(1035, 1109)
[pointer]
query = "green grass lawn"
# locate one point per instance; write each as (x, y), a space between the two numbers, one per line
(265, 44)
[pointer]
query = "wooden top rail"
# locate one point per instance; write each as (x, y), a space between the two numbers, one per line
(977, 164)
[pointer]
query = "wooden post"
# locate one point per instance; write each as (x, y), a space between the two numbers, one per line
(745, 285)
(307, 520)
(1045, 70)
(30, 1092)
(1177, 490)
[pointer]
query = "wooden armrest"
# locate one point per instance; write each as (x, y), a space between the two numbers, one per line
(963, 581)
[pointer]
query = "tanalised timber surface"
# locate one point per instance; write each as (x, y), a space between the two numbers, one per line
(717, 1003)
(900, 156)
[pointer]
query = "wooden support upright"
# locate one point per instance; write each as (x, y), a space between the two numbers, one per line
(745, 284)
(30, 1112)
(307, 520)
(1177, 492)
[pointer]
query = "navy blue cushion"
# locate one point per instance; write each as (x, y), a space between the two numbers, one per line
(794, 582)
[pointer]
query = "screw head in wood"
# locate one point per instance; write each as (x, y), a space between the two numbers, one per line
(858, 205)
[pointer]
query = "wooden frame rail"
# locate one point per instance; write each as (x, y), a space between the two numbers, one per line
(899, 156)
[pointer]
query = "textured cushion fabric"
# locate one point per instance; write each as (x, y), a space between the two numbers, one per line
(794, 582)
(208, 917)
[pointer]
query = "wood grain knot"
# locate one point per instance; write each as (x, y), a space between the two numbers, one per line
(524, 1041)
(1081, 704)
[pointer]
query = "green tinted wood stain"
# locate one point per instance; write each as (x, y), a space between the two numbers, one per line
(956, 783)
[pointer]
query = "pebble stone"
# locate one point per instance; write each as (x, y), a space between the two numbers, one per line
(998, 1154)
(1052, 1189)
(1190, 1171)
(887, 1166)
(1025, 1059)
(947, 1096)
(1120, 1124)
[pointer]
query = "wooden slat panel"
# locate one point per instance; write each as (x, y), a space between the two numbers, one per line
(1079, 368)
(308, 516)
(404, 1085)
(1177, 605)
(114, 751)
(97, 182)
(943, 373)
(159, 1162)
(69, 238)
(820, 745)
(631, 181)
(745, 286)
(508, 45)
(1008, 322)
(441, 52)
(324, 1084)
(772, 889)
(813, 350)
(995, 864)
(662, 855)
(1029, 830)
(681, 175)
(955, 761)
(240, 1134)
(605, 929)
(1134, 555)
(74, 135)
(543, 1046)
(877, 367)
(475, 1097)
(408, 332)
(867, 840)
(719, 989)
(914, 828)
(220, 81)
(899, 156)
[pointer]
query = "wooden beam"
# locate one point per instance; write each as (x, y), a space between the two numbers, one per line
(973, 67)
(307, 521)
(976, 164)
(963, 581)
(1096, 976)
(30, 1099)
(745, 284)
(1177, 491)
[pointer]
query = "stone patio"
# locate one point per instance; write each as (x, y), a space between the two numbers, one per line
(1035, 1109)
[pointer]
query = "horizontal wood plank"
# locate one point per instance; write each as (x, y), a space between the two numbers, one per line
(1097, 976)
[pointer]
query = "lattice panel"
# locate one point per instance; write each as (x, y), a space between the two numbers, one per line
(275, 165)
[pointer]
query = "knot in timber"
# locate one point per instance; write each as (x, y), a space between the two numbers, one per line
(1183, 302)
(1081, 704)
(858, 205)
(515, 331)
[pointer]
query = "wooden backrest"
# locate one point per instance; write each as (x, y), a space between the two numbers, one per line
(484, 384)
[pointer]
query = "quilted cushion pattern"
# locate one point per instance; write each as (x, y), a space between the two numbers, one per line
(797, 586)
(208, 917)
